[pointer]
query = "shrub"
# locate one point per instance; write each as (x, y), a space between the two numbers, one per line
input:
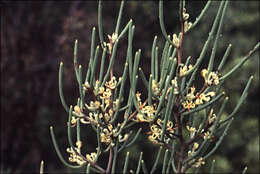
(185, 121)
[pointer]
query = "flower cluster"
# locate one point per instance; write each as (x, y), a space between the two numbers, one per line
(199, 163)
(156, 132)
(184, 69)
(192, 100)
(108, 134)
(210, 78)
(74, 156)
(99, 112)
(103, 106)
(112, 40)
(147, 111)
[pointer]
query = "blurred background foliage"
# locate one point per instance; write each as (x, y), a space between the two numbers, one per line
(36, 36)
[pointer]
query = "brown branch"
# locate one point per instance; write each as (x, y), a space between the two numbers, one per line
(177, 117)
(179, 49)
(109, 160)
(202, 89)
(177, 114)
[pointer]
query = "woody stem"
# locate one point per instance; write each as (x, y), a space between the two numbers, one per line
(179, 49)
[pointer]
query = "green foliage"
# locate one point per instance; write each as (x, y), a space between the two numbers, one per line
(185, 123)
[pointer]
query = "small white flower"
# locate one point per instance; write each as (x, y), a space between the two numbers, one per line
(176, 40)
(187, 26)
(185, 15)
(113, 38)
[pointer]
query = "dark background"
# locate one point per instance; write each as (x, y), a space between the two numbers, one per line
(36, 36)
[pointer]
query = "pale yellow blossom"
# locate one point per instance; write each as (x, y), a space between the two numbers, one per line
(187, 26)
(188, 105)
(155, 87)
(211, 79)
(192, 130)
(77, 110)
(185, 15)
(204, 97)
(190, 96)
(73, 120)
(170, 128)
(195, 146)
(199, 163)
(176, 39)
(184, 69)
(105, 136)
(206, 135)
(112, 83)
(101, 90)
(74, 157)
(79, 144)
(91, 157)
(113, 38)
(155, 134)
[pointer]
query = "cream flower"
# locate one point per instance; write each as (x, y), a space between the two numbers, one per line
(74, 157)
(101, 90)
(185, 15)
(212, 117)
(199, 163)
(204, 97)
(91, 157)
(170, 128)
(112, 83)
(190, 96)
(212, 78)
(206, 135)
(73, 121)
(188, 105)
(105, 136)
(155, 87)
(176, 40)
(155, 134)
(77, 110)
(192, 130)
(195, 146)
(113, 38)
(184, 69)
(187, 26)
